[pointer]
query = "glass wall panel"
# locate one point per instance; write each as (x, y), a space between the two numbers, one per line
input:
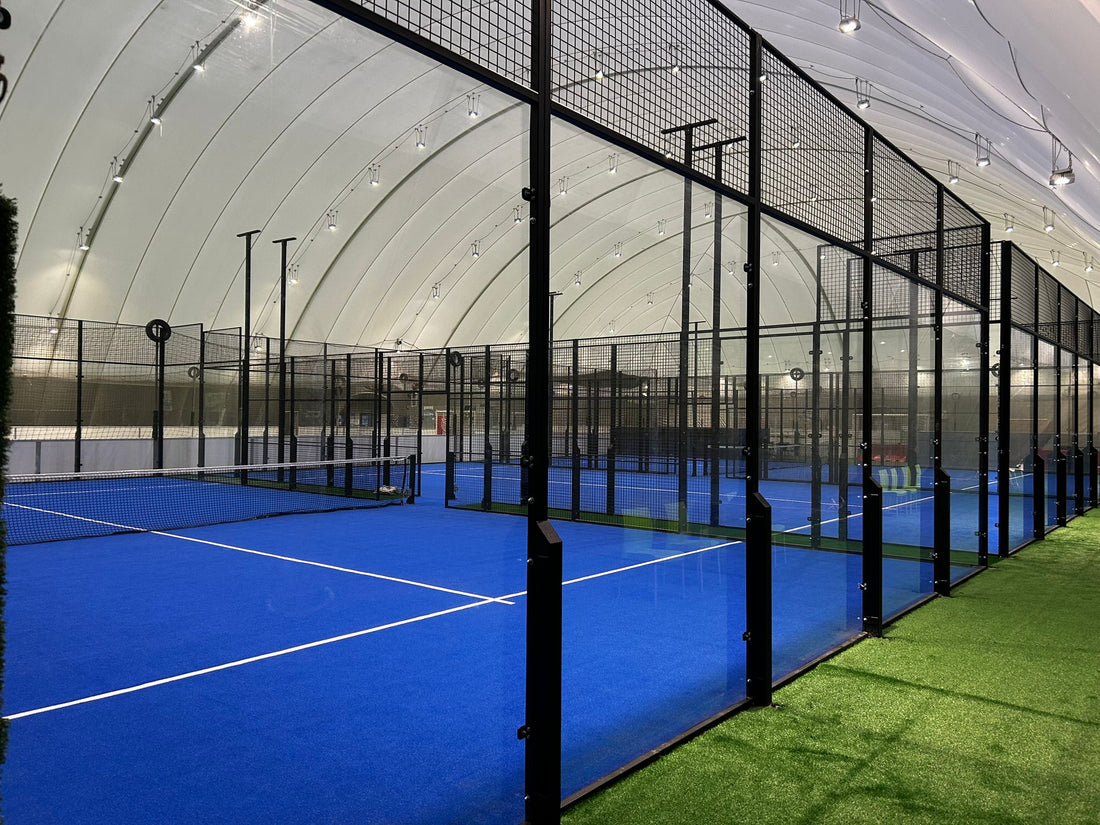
(962, 384)
(1046, 438)
(903, 397)
(810, 314)
(1020, 484)
(645, 436)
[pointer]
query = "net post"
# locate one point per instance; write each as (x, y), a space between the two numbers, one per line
(202, 397)
(487, 480)
(941, 553)
(612, 426)
(872, 558)
(575, 440)
(449, 478)
(386, 465)
(419, 423)
(293, 427)
(1094, 494)
(349, 448)
(758, 600)
(411, 464)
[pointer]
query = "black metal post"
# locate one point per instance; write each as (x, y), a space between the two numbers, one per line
(542, 730)
(872, 543)
(1004, 406)
(575, 450)
(416, 482)
(872, 558)
(293, 424)
(280, 450)
(487, 454)
(983, 404)
(79, 395)
(758, 550)
(202, 398)
(242, 444)
(941, 554)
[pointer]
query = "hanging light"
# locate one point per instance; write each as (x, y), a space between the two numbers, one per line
(1054, 261)
(1010, 223)
(707, 210)
(250, 20)
(661, 226)
(54, 329)
(849, 16)
(981, 150)
(154, 112)
(84, 242)
(577, 279)
(598, 74)
(619, 249)
(796, 142)
(331, 218)
(676, 60)
(375, 170)
(292, 275)
(952, 171)
(1088, 263)
(611, 328)
(775, 259)
(517, 214)
(612, 163)
(473, 105)
(197, 62)
(649, 300)
(563, 186)
(421, 136)
(1048, 219)
(116, 170)
(435, 291)
(863, 93)
(475, 249)
(1061, 164)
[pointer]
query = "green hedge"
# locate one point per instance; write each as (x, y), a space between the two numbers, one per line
(7, 335)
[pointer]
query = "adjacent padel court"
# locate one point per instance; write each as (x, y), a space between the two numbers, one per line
(359, 664)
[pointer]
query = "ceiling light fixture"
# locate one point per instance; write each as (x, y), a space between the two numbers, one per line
(517, 214)
(612, 163)
(197, 62)
(292, 274)
(375, 170)
(775, 259)
(473, 105)
(563, 186)
(421, 136)
(597, 58)
(84, 242)
(849, 16)
(863, 93)
(1048, 219)
(577, 279)
(1088, 263)
(1010, 223)
(331, 217)
(1054, 261)
(475, 249)
(116, 170)
(619, 249)
(154, 112)
(952, 171)
(707, 210)
(435, 291)
(1061, 163)
(661, 226)
(649, 300)
(981, 150)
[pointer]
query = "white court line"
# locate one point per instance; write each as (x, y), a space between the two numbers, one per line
(239, 662)
(291, 559)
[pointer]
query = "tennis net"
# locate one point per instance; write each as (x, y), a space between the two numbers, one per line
(56, 507)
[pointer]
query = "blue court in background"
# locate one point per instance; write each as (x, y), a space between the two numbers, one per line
(368, 666)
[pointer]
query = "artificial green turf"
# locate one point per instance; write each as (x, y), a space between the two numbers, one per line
(980, 708)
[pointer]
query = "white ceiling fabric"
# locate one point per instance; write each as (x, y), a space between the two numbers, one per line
(292, 119)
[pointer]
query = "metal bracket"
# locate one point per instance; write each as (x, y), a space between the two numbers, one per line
(527, 193)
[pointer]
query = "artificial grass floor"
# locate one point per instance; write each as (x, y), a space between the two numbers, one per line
(979, 708)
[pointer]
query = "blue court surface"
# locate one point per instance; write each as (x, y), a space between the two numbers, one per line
(368, 666)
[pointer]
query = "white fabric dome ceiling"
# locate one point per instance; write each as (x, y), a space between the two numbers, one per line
(294, 117)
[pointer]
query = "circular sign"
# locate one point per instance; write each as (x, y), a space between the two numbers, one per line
(193, 373)
(513, 375)
(158, 330)
(996, 370)
(454, 358)
(797, 374)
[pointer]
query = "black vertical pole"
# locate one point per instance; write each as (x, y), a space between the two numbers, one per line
(1039, 481)
(487, 452)
(871, 498)
(242, 446)
(941, 552)
(758, 553)
(202, 397)
(716, 351)
(575, 448)
(815, 412)
(267, 398)
(280, 454)
(542, 729)
(158, 435)
(449, 456)
(612, 447)
(293, 425)
(1005, 366)
(79, 395)
(983, 404)
(417, 482)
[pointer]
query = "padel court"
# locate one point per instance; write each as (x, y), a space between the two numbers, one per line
(365, 665)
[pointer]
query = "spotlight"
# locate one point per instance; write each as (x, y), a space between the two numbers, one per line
(952, 171)
(863, 93)
(849, 24)
(981, 150)
(1061, 168)
(116, 171)
(1010, 223)
(331, 217)
(1048, 219)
